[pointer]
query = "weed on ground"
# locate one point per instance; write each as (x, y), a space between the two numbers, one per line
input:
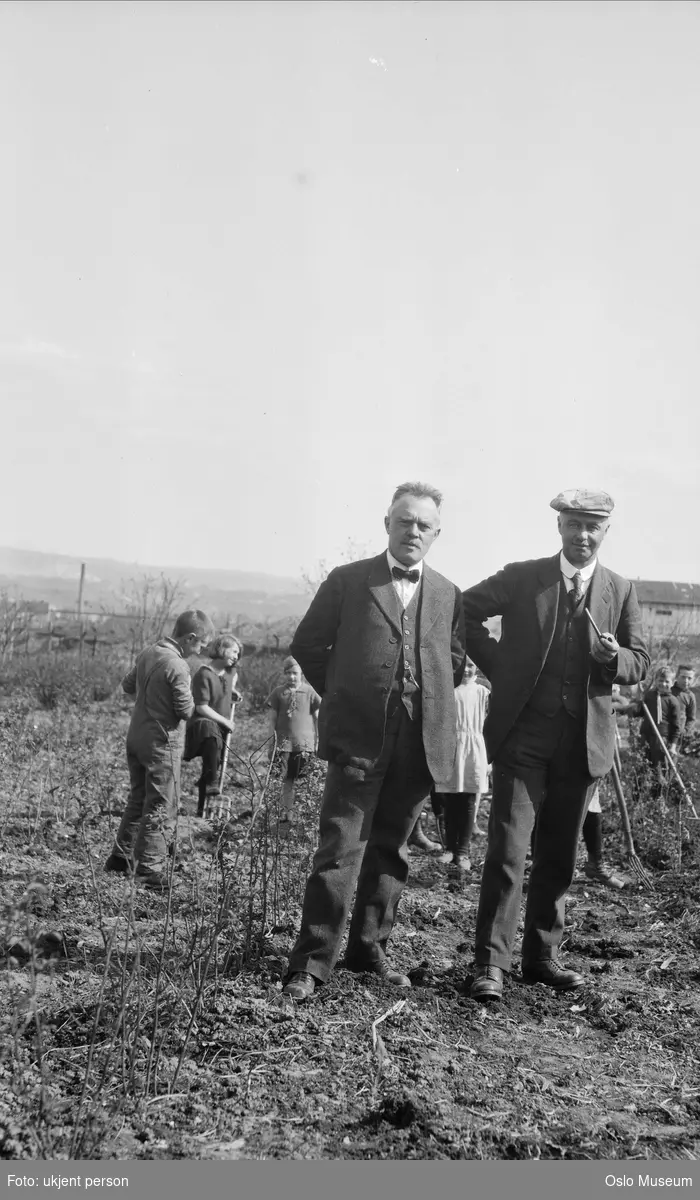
(137, 1025)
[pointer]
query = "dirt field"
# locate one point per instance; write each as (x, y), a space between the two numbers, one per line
(140, 1026)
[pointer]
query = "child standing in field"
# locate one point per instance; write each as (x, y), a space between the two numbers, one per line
(459, 795)
(294, 722)
(214, 693)
(160, 681)
(665, 711)
(687, 705)
(597, 868)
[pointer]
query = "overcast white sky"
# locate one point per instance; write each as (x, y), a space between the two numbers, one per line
(261, 262)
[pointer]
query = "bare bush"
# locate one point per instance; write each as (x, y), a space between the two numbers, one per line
(153, 603)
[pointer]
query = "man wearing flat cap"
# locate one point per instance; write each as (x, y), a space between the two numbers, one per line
(550, 731)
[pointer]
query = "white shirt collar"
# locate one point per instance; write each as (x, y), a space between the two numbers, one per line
(394, 562)
(568, 570)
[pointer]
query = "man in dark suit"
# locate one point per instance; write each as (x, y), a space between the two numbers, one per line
(383, 645)
(550, 731)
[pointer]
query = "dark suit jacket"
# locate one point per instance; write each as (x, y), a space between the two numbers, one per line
(348, 646)
(526, 596)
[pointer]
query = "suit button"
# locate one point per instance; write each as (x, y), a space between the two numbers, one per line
(387, 664)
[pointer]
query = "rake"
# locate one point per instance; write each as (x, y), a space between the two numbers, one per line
(634, 862)
(669, 760)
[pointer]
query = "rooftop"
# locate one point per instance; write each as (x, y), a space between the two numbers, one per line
(651, 591)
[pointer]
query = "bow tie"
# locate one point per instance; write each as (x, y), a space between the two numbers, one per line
(411, 576)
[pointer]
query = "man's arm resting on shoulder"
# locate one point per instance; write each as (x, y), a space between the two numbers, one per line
(490, 598)
(316, 633)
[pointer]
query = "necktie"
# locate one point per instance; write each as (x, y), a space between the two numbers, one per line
(576, 593)
(411, 576)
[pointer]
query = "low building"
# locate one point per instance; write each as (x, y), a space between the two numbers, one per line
(669, 610)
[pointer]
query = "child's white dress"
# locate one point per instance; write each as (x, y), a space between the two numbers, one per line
(469, 772)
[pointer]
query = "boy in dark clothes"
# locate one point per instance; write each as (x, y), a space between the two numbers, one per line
(683, 691)
(664, 708)
(160, 681)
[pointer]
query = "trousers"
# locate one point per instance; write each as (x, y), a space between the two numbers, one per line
(364, 827)
(148, 823)
(540, 771)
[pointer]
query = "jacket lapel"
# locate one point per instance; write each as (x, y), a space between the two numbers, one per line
(598, 602)
(547, 601)
(382, 589)
(429, 601)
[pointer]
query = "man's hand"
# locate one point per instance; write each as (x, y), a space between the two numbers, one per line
(605, 649)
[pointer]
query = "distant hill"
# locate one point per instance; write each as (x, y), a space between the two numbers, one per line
(33, 575)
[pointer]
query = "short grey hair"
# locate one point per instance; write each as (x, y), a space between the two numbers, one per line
(415, 488)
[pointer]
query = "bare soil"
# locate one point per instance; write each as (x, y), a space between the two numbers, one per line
(146, 1026)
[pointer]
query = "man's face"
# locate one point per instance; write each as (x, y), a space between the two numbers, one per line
(581, 535)
(685, 680)
(412, 523)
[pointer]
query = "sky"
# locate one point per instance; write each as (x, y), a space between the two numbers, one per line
(262, 262)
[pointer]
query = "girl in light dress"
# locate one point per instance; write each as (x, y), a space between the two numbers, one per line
(458, 796)
(294, 723)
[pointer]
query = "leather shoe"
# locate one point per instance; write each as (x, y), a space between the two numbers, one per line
(116, 863)
(551, 972)
(600, 872)
(488, 984)
(155, 881)
(300, 986)
(383, 969)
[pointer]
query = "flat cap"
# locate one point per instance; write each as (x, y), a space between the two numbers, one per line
(599, 504)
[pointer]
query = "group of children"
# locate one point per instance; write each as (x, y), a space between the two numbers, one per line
(178, 715)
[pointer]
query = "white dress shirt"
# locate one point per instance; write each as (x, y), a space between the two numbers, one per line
(405, 590)
(568, 571)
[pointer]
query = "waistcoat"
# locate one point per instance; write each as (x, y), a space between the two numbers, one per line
(407, 681)
(563, 680)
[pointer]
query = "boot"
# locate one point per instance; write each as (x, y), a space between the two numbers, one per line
(420, 841)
